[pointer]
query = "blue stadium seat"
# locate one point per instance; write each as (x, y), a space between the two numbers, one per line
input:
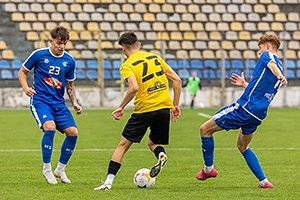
(209, 74)
(235, 71)
(250, 64)
(117, 64)
(298, 64)
(219, 74)
(237, 64)
(298, 73)
(290, 74)
(16, 64)
(16, 72)
(4, 64)
(80, 74)
(172, 63)
(290, 64)
(196, 64)
(227, 64)
(107, 74)
(92, 64)
(116, 74)
(199, 74)
(92, 74)
(6, 74)
(80, 64)
(248, 74)
(210, 64)
(107, 64)
(183, 73)
(183, 64)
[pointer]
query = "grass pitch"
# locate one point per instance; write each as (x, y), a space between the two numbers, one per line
(276, 144)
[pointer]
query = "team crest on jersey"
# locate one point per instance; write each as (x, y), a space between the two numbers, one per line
(65, 63)
(157, 87)
(53, 82)
(46, 61)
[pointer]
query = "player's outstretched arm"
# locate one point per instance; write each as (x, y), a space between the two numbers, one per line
(23, 81)
(274, 69)
(238, 80)
(72, 96)
(176, 82)
(130, 94)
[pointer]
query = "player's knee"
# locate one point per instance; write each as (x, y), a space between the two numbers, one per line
(49, 126)
(72, 131)
(241, 147)
(203, 130)
(150, 143)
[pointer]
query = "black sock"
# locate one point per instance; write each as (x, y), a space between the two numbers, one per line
(159, 149)
(113, 167)
(192, 104)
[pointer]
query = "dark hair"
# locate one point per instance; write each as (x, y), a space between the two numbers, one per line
(272, 38)
(61, 33)
(128, 39)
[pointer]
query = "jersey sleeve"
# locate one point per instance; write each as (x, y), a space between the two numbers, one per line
(31, 61)
(267, 58)
(126, 71)
(71, 75)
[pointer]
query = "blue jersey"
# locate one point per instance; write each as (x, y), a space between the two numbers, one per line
(262, 88)
(50, 74)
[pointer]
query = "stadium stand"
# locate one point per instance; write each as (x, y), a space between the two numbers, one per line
(196, 34)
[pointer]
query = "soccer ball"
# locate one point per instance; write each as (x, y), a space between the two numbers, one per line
(142, 178)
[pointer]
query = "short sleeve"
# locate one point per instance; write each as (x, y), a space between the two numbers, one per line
(70, 75)
(31, 61)
(267, 57)
(126, 71)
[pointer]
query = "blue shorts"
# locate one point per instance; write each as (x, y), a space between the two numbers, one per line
(59, 113)
(235, 117)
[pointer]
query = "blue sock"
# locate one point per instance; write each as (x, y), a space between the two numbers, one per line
(253, 164)
(47, 145)
(208, 146)
(67, 149)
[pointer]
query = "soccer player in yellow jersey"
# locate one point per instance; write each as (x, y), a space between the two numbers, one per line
(147, 77)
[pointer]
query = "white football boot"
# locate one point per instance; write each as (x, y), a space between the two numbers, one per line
(104, 187)
(62, 175)
(49, 177)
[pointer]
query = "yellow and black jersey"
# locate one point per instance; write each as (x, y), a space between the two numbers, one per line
(149, 71)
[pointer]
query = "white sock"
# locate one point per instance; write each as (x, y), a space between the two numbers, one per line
(262, 183)
(161, 153)
(208, 169)
(60, 166)
(47, 167)
(109, 179)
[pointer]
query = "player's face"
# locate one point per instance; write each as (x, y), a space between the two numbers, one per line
(58, 46)
(262, 48)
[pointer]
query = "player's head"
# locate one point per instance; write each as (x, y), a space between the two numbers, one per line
(129, 42)
(194, 74)
(268, 42)
(59, 39)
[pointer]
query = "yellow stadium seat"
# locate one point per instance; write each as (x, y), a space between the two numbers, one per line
(38, 26)
(280, 17)
(277, 26)
(3, 45)
(236, 26)
(168, 8)
(175, 35)
(208, 54)
(93, 26)
(85, 35)
(213, 45)
(32, 36)
(182, 54)
(227, 45)
(67, 25)
(25, 26)
(263, 26)
(296, 35)
(69, 45)
(163, 36)
(158, 26)
(43, 17)
(201, 17)
(291, 54)
(184, 26)
(106, 45)
(248, 54)
(220, 54)
(241, 45)
(197, 26)
(150, 17)
(187, 45)
(215, 35)
(273, 8)
(265, 1)
(189, 35)
(30, 17)
(193, 8)
(75, 53)
(180, 8)
(259, 8)
(154, 8)
(8, 54)
(74, 35)
(159, 1)
(160, 43)
(293, 45)
(244, 35)
(75, 7)
(81, 1)
(57, 17)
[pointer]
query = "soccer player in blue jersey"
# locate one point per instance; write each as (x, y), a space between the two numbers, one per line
(54, 70)
(248, 111)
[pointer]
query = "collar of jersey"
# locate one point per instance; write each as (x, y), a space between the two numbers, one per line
(55, 55)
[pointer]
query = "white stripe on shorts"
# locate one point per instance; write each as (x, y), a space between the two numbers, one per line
(35, 115)
(225, 111)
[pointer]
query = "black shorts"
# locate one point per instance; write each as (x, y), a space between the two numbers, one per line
(158, 121)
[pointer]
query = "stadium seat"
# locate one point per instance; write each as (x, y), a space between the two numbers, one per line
(209, 74)
(298, 73)
(92, 74)
(4, 64)
(80, 74)
(298, 64)
(6, 74)
(220, 54)
(227, 64)
(92, 64)
(210, 64)
(183, 64)
(183, 73)
(107, 75)
(290, 64)
(80, 64)
(116, 74)
(250, 64)
(208, 54)
(290, 74)
(173, 64)
(8, 54)
(16, 64)
(237, 64)
(196, 64)
(195, 54)
(219, 74)
(235, 71)
(107, 64)
(116, 64)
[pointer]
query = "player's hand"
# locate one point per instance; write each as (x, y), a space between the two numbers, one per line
(238, 80)
(29, 91)
(282, 79)
(117, 114)
(175, 113)
(77, 108)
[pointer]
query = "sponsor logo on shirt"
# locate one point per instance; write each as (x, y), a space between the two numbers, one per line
(53, 82)
(157, 87)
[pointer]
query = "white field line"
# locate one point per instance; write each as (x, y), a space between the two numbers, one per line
(145, 149)
(204, 115)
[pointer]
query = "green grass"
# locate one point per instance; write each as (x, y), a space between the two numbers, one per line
(21, 172)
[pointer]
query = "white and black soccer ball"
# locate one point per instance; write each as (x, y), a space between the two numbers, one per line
(142, 178)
